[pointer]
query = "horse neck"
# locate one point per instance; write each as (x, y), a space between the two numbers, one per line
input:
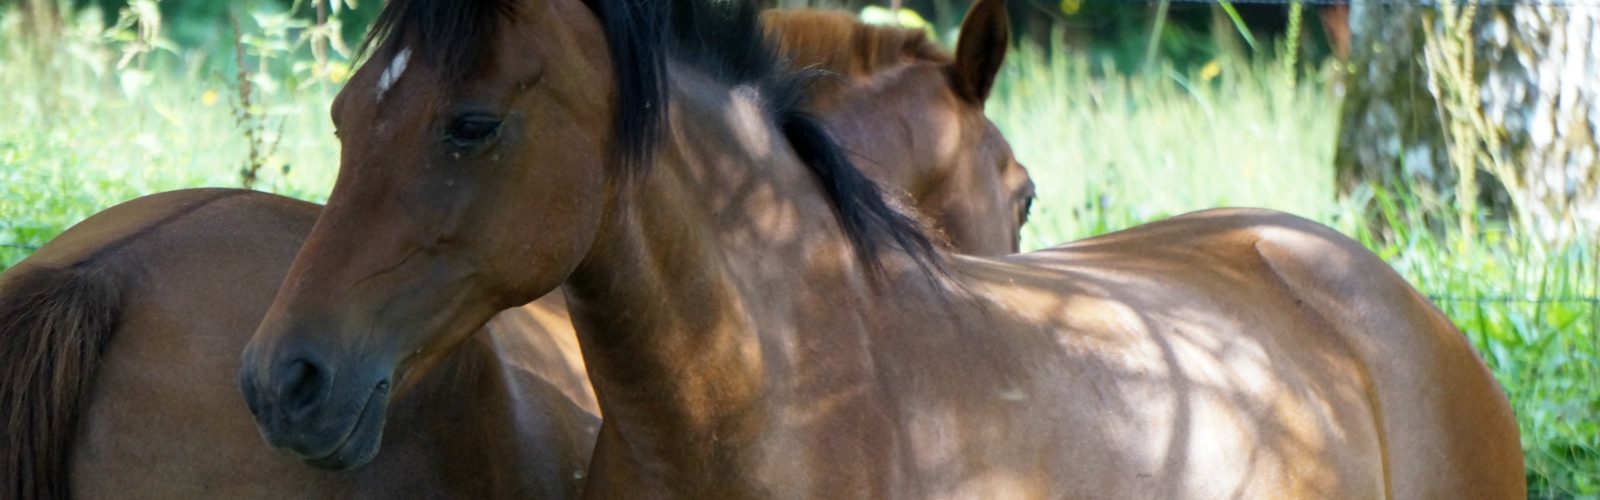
(699, 276)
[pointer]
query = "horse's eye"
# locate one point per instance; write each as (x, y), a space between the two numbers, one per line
(470, 131)
(1027, 208)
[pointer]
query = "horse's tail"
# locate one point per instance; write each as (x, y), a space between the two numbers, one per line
(54, 324)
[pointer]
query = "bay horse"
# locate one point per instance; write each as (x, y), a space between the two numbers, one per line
(757, 321)
(133, 318)
(953, 164)
(120, 339)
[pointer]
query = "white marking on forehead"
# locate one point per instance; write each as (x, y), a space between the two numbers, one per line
(752, 126)
(392, 74)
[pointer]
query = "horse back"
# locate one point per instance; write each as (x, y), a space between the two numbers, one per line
(189, 274)
(177, 283)
(1265, 329)
(58, 311)
(195, 270)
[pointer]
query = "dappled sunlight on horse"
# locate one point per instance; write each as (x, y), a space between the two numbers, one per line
(911, 117)
(758, 320)
(508, 412)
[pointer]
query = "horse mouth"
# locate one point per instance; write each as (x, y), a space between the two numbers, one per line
(360, 444)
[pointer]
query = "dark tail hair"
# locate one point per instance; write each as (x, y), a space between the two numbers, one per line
(54, 324)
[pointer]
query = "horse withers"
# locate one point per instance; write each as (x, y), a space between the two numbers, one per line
(758, 321)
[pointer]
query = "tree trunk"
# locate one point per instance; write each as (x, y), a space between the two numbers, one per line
(1540, 90)
(1499, 101)
(1389, 128)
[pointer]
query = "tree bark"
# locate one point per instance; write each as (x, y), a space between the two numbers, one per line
(1389, 128)
(1539, 65)
(1520, 95)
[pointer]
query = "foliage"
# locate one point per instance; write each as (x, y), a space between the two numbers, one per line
(82, 134)
(1472, 144)
(1108, 151)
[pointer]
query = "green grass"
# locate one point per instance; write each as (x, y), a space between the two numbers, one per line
(1107, 151)
(1110, 151)
(81, 134)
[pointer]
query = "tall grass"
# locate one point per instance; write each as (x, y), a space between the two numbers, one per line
(81, 133)
(1107, 151)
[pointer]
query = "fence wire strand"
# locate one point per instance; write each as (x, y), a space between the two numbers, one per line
(1594, 301)
(1558, 3)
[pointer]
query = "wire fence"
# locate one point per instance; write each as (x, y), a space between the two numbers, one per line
(1593, 301)
(1558, 3)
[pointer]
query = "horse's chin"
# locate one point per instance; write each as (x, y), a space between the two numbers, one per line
(361, 445)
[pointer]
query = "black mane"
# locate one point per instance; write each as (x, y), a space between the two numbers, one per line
(721, 37)
(450, 35)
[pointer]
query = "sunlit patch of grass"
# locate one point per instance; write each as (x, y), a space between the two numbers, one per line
(82, 134)
(1110, 150)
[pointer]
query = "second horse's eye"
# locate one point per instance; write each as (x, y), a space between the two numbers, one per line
(472, 131)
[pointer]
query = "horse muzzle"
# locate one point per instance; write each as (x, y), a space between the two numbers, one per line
(308, 409)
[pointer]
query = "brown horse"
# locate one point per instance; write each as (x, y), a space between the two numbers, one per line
(951, 160)
(179, 280)
(758, 322)
(121, 339)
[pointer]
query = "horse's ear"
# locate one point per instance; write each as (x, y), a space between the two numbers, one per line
(985, 35)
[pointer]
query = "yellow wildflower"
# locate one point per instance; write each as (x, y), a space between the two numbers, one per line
(1210, 71)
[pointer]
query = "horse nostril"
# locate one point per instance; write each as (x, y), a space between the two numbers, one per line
(252, 397)
(302, 387)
